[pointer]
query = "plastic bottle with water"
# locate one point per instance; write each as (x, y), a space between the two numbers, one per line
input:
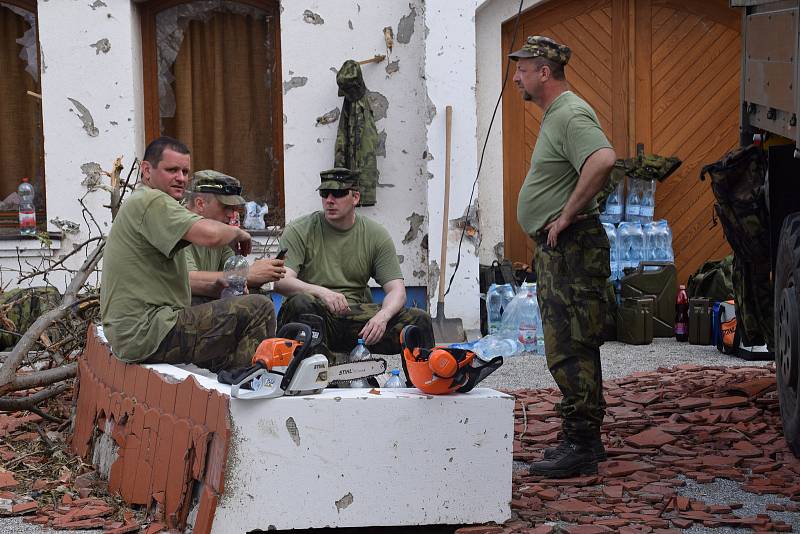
(235, 274)
(27, 211)
(359, 352)
(611, 233)
(613, 211)
(394, 381)
(631, 244)
(494, 345)
(633, 201)
(497, 299)
(648, 201)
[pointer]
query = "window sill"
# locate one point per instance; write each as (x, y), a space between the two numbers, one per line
(29, 246)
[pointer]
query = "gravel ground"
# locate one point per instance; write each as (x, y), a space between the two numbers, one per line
(529, 371)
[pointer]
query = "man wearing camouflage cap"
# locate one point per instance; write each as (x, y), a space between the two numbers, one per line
(569, 165)
(217, 196)
(332, 254)
(145, 297)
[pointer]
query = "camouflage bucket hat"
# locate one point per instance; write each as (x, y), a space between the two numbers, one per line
(227, 189)
(538, 46)
(338, 178)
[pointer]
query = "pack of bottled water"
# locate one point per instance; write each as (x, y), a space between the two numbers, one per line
(613, 210)
(630, 239)
(611, 233)
(640, 201)
(658, 241)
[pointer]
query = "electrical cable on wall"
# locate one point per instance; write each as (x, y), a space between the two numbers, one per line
(485, 143)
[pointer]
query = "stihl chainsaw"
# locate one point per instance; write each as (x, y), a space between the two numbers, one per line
(287, 365)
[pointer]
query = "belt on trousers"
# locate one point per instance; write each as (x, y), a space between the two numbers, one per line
(583, 222)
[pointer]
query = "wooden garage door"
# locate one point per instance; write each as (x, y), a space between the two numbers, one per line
(661, 73)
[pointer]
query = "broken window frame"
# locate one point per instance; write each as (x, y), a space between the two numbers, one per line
(28, 10)
(149, 11)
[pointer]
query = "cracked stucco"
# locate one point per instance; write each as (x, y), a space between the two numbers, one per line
(93, 174)
(103, 45)
(393, 67)
(405, 28)
(415, 221)
(379, 104)
(469, 223)
(293, 83)
(312, 18)
(329, 118)
(97, 3)
(381, 148)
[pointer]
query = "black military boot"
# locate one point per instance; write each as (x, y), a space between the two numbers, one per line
(569, 459)
(597, 447)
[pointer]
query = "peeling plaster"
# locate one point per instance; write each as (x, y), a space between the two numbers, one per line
(415, 221)
(85, 117)
(96, 4)
(499, 250)
(312, 18)
(401, 259)
(433, 276)
(380, 150)
(344, 502)
(294, 82)
(66, 226)
(430, 110)
(393, 67)
(419, 274)
(287, 146)
(330, 117)
(350, 24)
(93, 173)
(471, 220)
(405, 28)
(379, 104)
(103, 45)
(424, 243)
(427, 156)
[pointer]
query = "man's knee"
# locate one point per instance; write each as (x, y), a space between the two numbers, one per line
(422, 320)
(297, 305)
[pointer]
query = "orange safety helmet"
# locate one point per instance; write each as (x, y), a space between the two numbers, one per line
(441, 369)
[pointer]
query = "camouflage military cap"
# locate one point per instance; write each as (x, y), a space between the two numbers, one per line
(539, 46)
(339, 178)
(651, 167)
(227, 189)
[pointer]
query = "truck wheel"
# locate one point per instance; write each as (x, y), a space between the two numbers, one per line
(787, 329)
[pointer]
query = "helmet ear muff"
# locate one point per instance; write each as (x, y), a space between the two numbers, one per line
(442, 363)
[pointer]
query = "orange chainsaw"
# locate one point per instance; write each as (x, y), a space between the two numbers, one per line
(287, 365)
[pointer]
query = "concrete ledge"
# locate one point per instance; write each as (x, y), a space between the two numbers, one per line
(175, 441)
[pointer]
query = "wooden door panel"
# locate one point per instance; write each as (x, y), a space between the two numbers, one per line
(693, 113)
(595, 72)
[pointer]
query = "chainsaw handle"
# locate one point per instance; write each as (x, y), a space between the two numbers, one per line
(293, 331)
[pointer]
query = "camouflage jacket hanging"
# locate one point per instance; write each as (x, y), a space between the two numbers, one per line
(357, 138)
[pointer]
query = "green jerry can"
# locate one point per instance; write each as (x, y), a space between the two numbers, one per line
(635, 320)
(659, 279)
(700, 321)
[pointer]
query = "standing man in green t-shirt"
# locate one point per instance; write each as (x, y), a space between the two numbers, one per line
(145, 295)
(570, 163)
(217, 196)
(332, 254)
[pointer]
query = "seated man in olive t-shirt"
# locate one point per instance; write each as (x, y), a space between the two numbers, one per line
(332, 254)
(145, 295)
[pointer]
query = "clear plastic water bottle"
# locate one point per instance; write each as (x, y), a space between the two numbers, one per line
(497, 299)
(27, 211)
(613, 211)
(611, 233)
(631, 243)
(648, 203)
(492, 346)
(359, 352)
(235, 274)
(394, 381)
(633, 201)
(530, 325)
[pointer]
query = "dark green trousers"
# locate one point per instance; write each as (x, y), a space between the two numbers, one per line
(571, 284)
(341, 331)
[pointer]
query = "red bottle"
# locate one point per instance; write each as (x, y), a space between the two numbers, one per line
(682, 315)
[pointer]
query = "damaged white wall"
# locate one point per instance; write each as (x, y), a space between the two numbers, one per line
(91, 54)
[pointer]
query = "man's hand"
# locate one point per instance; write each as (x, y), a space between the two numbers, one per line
(336, 302)
(555, 228)
(242, 244)
(374, 329)
(266, 270)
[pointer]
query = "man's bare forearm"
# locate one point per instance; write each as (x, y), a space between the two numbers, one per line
(291, 285)
(213, 234)
(204, 283)
(594, 174)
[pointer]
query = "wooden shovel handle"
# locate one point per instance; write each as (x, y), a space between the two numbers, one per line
(445, 212)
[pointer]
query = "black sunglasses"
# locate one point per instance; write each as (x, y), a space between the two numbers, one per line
(337, 193)
(219, 189)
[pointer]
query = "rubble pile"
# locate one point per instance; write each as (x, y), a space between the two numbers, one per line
(699, 422)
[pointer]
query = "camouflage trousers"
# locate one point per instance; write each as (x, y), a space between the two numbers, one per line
(753, 293)
(221, 334)
(341, 331)
(571, 284)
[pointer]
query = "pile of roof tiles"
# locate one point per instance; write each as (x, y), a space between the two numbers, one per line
(699, 422)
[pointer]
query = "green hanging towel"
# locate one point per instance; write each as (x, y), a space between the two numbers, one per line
(357, 138)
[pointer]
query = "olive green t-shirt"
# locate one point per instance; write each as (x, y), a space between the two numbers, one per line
(341, 261)
(570, 133)
(145, 281)
(199, 258)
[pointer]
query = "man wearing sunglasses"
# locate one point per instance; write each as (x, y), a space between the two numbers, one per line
(145, 297)
(217, 196)
(332, 254)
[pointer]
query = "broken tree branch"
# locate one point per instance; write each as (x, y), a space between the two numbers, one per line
(25, 403)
